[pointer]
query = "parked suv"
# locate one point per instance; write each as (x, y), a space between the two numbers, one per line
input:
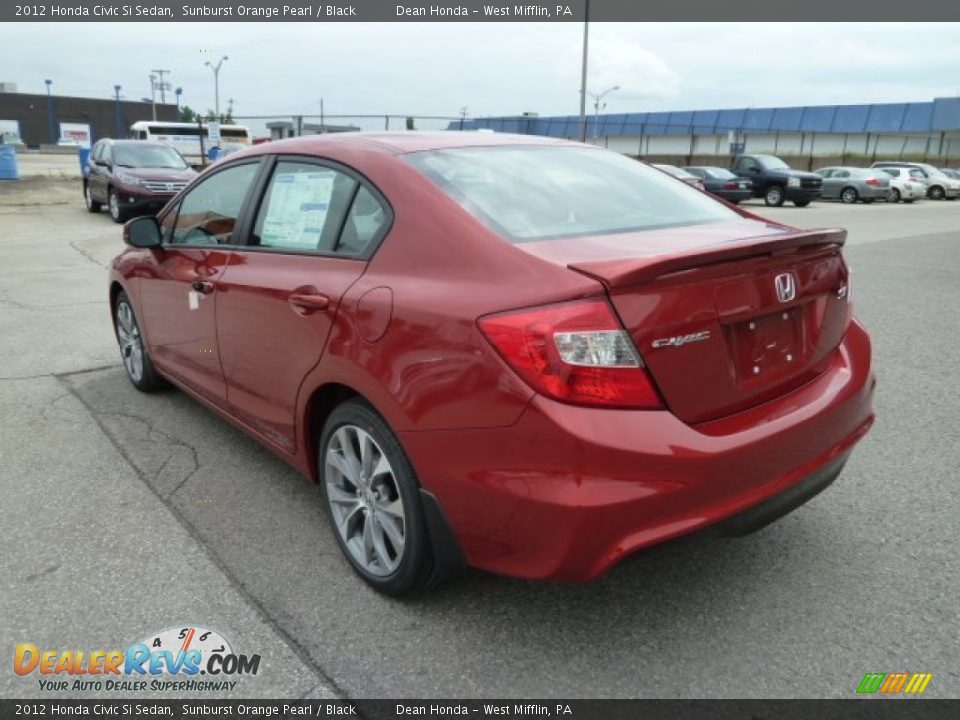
(133, 177)
(939, 185)
(775, 181)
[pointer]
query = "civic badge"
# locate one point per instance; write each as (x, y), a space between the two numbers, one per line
(786, 285)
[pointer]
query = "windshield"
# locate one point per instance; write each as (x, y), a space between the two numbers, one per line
(148, 156)
(772, 163)
(533, 193)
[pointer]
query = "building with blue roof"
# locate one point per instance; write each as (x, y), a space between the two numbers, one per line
(928, 131)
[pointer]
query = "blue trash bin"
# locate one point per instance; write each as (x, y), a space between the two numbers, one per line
(8, 163)
(84, 155)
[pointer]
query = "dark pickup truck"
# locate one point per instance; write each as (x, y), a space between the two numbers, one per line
(775, 181)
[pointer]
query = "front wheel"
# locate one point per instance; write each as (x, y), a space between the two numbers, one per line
(774, 196)
(117, 213)
(92, 205)
(372, 500)
(849, 195)
(133, 348)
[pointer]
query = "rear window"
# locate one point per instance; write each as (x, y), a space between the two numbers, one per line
(528, 193)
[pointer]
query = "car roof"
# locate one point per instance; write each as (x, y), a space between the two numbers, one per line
(403, 141)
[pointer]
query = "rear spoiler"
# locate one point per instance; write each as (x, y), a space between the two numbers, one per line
(628, 271)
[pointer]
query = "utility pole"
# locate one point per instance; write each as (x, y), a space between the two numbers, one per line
(161, 85)
(153, 94)
(583, 73)
(230, 103)
(216, 83)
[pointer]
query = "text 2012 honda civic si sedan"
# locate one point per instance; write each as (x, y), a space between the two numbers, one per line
(524, 355)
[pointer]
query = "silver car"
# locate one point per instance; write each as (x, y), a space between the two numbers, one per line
(905, 184)
(939, 185)
(850, 184)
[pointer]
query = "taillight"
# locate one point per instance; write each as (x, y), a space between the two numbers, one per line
(575, 352)
(873, 182)
(730, 185)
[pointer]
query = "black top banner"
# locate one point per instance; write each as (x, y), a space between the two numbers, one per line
(476, 11)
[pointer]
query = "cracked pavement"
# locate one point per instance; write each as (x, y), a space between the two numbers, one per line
(129, 513)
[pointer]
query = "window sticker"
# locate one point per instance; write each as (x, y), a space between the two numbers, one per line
(297, 209)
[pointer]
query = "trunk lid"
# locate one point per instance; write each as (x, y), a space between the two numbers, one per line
(732, 315)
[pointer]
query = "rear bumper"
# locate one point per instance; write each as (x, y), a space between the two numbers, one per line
(733, 195)
(566, 492)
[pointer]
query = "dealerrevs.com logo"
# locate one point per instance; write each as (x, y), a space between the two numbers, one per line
(173, 659)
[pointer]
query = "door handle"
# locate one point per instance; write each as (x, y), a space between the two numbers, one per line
(203, 286)
(309, 301)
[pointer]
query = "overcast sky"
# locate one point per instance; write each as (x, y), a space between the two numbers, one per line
(493, 69)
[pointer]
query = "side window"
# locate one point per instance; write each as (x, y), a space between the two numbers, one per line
(824, 173)
(841, 174)
(209, 212)
(367, 217)
(303, 208)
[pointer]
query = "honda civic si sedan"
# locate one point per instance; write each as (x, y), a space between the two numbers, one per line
(523, 355)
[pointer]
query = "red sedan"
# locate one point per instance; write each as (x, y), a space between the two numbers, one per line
(528, 356)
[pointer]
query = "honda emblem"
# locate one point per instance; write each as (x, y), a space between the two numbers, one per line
(786, 285)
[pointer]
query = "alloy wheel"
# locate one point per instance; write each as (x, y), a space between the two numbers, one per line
(365, 500)
(114, 205)
(131, 345)
(895, 195)
(849, 195)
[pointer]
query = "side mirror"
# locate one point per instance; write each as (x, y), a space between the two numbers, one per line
(142, 232)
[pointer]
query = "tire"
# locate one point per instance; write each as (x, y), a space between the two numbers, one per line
(133, 349)
(894, 196)
(92, 205)
(801, 203)
(370, 511)
(774, 196)
(849, 195)
(935, 193)
(117, 213)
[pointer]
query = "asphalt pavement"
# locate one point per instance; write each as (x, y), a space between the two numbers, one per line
(124, 513)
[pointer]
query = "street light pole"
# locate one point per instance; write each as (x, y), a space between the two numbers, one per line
(583, 74)
(177, 93)
(116, 95)
(597, 105)
(53, 129)
(216, 83)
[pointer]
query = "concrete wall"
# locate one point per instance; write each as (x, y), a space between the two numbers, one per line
(99, 113)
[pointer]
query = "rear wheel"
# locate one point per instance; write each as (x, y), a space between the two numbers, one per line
(133, 348)
(849, 195)
(117, 213)
(372, 499)
(894, 195)
(92, 205)
(936, 193)
(774, 197)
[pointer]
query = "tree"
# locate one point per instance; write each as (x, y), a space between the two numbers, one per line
(187, 114)
(225, 118)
